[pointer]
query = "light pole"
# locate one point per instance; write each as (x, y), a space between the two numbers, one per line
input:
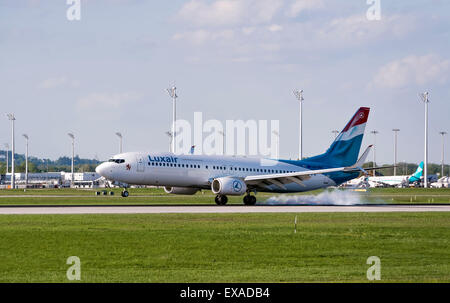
(223, 141)
(277, 146)
(299, 95)
(26, 160)
(13, 177)
(442, 157)
(395, 130)
(425, 100)
(170, 142)
(335, 132)
(73, 155)
(7, 157)
(173, 94)
(120, 137)
(374, 132)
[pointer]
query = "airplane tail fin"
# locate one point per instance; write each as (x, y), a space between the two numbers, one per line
(418, 174)
(345, 148)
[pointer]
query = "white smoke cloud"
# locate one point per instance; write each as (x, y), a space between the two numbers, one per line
(335, 197)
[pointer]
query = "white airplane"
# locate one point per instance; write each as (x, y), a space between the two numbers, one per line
(236, 176)
(397, 180)
(443, 182)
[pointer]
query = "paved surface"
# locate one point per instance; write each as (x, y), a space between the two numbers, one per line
(217, 209)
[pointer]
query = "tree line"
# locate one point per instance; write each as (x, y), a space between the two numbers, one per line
(37, 165)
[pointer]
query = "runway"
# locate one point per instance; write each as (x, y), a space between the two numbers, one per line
(183, 209)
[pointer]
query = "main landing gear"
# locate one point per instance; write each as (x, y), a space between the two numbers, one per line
(249, 200)
(221, 199)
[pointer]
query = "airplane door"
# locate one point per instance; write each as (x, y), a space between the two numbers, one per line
(140, 164)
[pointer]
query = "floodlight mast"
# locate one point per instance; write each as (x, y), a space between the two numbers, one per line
(7, 157)
(374, 132)
(73, 155)
(26, 160)
(169, 133)
(118, 134)
(424, 97)
(395, 130)
(299, 95)
(173, 94)
(442, 133)
(13, 177)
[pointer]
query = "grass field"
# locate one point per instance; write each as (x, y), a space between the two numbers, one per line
(151, 196)
(413, 247)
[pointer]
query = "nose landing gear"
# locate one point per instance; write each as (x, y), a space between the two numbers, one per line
(125, 193)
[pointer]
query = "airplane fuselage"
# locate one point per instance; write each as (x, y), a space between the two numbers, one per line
(195, 171)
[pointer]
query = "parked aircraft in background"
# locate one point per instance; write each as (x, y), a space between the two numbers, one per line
(382, 181)
(443, 182)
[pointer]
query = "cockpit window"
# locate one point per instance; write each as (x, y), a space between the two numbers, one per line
(118, 161)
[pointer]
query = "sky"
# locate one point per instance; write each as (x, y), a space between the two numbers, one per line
(230, 60)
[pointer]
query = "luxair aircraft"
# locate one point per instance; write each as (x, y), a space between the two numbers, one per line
(237, 176)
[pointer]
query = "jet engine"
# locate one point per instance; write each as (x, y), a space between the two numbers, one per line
(180, 190)
(228, 186)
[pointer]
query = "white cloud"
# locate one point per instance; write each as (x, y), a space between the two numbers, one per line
(229, 12)
(418, 70)
(57, 82)
(201, 36)
(248, 30)
(298, 6)
(105, 101)
(357, 29)
(275, 28)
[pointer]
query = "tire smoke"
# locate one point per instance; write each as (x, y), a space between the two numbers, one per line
(334, 197)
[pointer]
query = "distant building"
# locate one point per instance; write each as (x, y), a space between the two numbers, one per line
(54, 180)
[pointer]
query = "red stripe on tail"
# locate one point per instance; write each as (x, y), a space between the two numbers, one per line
(360, 117)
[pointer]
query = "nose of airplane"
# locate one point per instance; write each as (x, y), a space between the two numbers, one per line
(101, 169)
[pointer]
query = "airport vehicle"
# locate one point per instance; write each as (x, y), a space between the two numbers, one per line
(225, 175)
(385, 181)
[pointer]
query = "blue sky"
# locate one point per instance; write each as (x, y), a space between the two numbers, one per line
(231, 60)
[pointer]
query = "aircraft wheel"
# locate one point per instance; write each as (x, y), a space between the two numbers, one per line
(125, 193)
(249, 200)
(221, 199)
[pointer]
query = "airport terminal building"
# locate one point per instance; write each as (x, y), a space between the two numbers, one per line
(54, 180)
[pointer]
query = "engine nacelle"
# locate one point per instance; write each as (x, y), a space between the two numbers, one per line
(180, 190)
(228, 186)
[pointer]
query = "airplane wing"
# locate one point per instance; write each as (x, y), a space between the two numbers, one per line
(298, 177)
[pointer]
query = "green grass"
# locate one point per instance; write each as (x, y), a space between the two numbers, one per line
(151, 196)
(413, 247)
